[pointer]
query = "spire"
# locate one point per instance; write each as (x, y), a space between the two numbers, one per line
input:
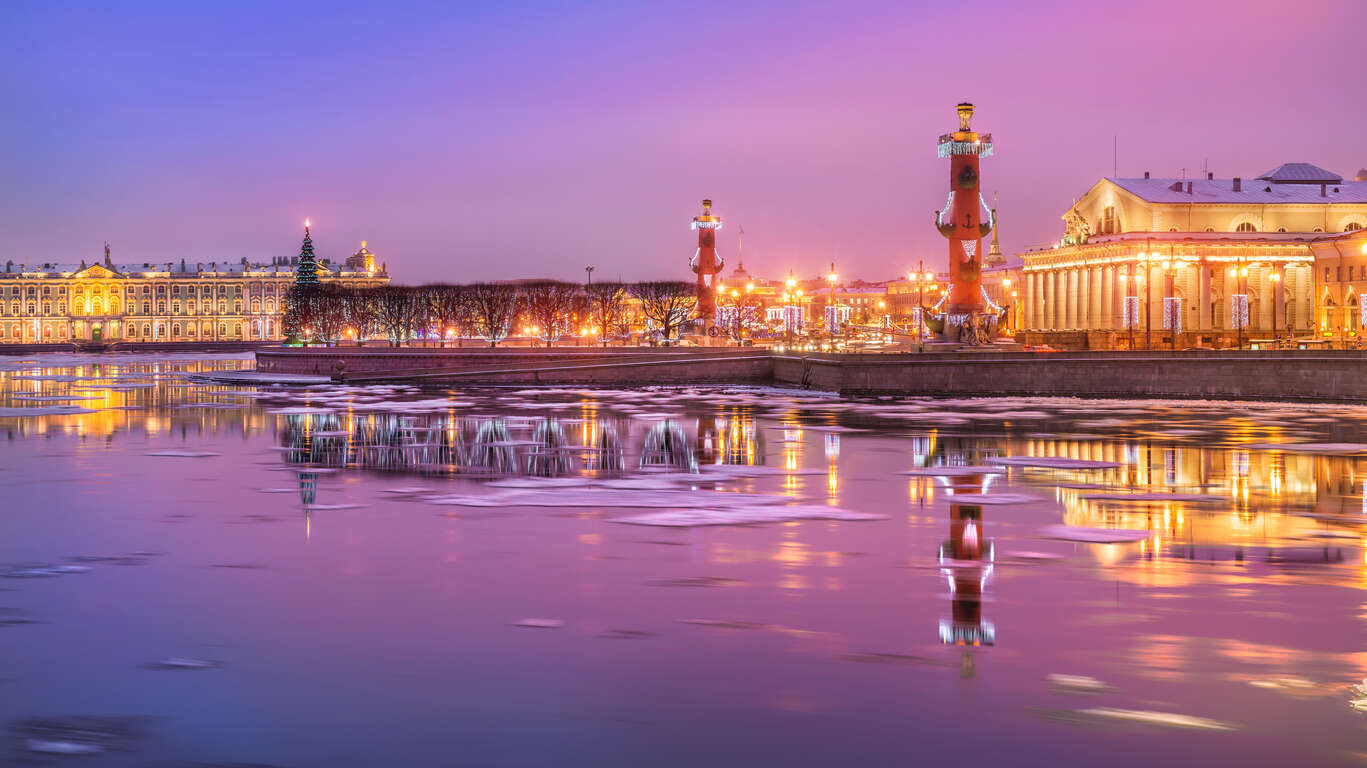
(307, 272)
(106, 253)
(994, 255)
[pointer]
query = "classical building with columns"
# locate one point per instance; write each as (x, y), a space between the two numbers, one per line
(105, 302)
(1219, 261)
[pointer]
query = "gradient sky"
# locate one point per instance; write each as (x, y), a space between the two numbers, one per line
(486, 140)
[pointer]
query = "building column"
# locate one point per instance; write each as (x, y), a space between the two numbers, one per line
(1070, 301)
(1099, 297)
(1279, 301)
(1106, 310)
(1204, 321)
(1084, 298)
(1031, 297)
(1050, 300)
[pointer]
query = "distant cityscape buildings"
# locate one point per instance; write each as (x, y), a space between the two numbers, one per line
(1141, 262)
(107, 302)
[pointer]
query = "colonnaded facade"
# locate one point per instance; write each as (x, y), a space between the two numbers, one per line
(1212, 259)
(105, 302)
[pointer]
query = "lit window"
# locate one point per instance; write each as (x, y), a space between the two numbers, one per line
(1247, 226)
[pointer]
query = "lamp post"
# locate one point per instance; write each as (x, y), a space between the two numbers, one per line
(1170, 291)
(1148, 302)
(589, 269)
(835, 318)
(1010, 306)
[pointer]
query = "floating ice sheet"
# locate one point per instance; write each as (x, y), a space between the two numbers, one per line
(1054, 462)
(1093, 535)
(689, 518)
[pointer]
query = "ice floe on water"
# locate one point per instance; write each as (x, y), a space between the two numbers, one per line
(181, 663)
(183, 454)
(1336, 448)
(1054, 462)
(745, 515)
(42, 410)
(955, 470)
(535, 623)
(1077, 684)
(1093, 535)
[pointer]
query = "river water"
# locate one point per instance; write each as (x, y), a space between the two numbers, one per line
(197, 574)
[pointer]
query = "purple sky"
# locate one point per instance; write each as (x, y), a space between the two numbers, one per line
(519, 139)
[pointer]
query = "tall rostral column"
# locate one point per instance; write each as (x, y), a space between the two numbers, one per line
(705, 262)
(965, 221)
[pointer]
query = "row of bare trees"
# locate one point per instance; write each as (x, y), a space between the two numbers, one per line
(548, 309)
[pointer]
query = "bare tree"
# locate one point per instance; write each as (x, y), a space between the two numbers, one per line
(492, 308)
(666, 303)
(400, 311)
(449, 307)
(549, 304)
(362, 312)
(607, 306)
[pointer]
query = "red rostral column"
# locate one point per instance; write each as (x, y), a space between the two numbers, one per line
(963, 222)
(705, 261)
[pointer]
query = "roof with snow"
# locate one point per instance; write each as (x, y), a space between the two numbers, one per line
(208, 269)
(1300, 173)
(1251, 192)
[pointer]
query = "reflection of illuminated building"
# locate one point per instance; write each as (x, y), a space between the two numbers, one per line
(666, 447)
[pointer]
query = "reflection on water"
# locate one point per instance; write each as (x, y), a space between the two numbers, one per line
(462, 571)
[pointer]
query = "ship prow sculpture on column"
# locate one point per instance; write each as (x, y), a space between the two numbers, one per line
(964, 314)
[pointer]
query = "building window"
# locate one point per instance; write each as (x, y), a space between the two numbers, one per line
(147, 307)
(1281, 229)
(1110, 223)
(1247, 226)
(1210, 229)
(1338, 274)
(1326, 274)
(1352, 226)
(161, 307)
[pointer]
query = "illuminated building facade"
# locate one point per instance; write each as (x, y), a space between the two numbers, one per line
(1214, 260)
(106, 302)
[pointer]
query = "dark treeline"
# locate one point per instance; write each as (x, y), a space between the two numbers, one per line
(547, 309)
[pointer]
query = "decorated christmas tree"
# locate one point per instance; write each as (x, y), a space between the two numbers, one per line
(306, 274)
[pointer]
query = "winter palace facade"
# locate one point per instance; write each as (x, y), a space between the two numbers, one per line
(105, 302)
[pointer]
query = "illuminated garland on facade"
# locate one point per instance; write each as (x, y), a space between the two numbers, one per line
(1238, 310)
(994, 305)
(1172, 314)
(1129, 317)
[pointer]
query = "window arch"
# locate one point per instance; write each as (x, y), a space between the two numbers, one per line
(1352, 226)
(96, 307)
(175, 329)
(1110, 221)
(1246, 226)
(78, 306)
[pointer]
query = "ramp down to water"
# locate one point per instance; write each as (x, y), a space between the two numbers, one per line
(1262, 375)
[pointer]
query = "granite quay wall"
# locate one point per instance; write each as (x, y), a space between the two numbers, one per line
(355, 362)
(1267, 375)
(1311, 375)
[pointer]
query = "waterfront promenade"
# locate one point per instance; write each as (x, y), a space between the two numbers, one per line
(1312, 375)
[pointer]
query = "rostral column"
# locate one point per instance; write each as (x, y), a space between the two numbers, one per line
(705, 262)
(964, 224)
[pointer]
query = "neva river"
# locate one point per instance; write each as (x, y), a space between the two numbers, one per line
(196, 574)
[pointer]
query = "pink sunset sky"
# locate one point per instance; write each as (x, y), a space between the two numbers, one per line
(479, 141)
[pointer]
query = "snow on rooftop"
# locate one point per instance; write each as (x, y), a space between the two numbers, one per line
(1251, 192)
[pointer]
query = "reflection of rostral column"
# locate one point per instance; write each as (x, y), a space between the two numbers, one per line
(961, 221)
(705, 261)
